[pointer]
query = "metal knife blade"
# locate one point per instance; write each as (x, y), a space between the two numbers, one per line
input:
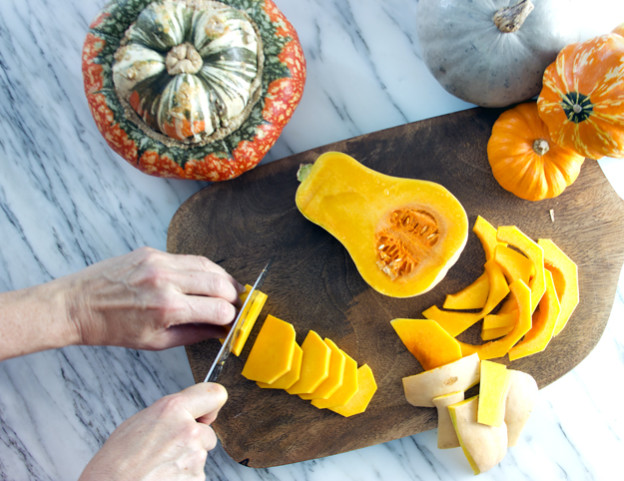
(226, 347)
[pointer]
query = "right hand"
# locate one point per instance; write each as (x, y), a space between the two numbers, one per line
(169, 440)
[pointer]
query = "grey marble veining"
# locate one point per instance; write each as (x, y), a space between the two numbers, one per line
(66, 201)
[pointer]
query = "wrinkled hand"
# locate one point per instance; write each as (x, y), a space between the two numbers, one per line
(169, 440)
(149, 299)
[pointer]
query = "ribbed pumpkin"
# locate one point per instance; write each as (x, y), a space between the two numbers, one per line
(582, 99)
(194, 89)
(525, 161)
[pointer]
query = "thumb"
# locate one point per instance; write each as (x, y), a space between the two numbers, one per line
(204, 399)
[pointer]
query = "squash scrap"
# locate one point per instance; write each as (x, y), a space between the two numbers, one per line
(484, 425)
(484, 446)
(447, 436)
(272, 354)
(250, 315)
(519, 403)
(430, 344)
(493, 387)
(421, 388)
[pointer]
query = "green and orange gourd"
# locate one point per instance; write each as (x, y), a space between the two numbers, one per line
(195, 89)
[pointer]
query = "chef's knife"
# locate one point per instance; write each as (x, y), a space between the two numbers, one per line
(226, 347)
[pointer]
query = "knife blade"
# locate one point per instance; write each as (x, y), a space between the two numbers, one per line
(226, 347)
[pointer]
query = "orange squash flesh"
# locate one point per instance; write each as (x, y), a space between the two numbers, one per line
(498, 348)
(429, 342)
(314, 364)
(366, 389)
(514, 264)
(514, 236)
(472, 296)
(288, 379)
(336, 374)
(565, 277)
(402, 234)
(272, 353)
(348, 388)
(543, 324)
(455, 322)
(250, 315)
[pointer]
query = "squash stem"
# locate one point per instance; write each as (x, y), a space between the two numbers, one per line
(541, 146)
(510, 19)
(303, 172)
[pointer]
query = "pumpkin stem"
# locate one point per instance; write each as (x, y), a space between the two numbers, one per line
(541, 146)
(510, 19)
(183, 58)
(303, 172)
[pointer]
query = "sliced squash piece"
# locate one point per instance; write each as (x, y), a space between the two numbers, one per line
(498, 325)
(515, 237)
(484, 446)
(493, 387)
(430, 344)
(498, 320)
(486, 233)
(336, 374)
(272, 352)
(366, 390)
(447, 437)
(472, 296)
(519, 404)
(314, 364)
(565, 276)
(455, 322)
(250, 315)
(288, 379)
(498, 348)
(347, 389)
(421, 388)
(495, 333)
(514, 264)
(543, 324)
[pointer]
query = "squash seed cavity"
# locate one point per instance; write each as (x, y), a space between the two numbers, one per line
(406, 238)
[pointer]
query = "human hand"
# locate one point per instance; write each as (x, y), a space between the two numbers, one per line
(169, 440)
(149, 299)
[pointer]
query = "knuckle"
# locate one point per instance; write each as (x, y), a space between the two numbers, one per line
(224, 311)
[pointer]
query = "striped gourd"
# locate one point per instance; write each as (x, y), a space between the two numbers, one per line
(192, 88)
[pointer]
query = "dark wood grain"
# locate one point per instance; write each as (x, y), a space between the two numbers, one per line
(314, 284)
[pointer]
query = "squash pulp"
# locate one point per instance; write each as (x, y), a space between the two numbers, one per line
(402, 234)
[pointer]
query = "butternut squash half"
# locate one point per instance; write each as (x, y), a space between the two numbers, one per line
(402, 234)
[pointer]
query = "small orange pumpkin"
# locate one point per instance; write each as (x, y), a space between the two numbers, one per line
(582, 97)
(524, 159)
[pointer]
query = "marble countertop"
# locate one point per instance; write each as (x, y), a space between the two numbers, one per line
(66, 201)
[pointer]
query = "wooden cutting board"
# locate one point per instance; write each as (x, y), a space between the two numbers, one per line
(314, 284)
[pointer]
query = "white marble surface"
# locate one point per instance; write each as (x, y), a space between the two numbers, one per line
(66, 201)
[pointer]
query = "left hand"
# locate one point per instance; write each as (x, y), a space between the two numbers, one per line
(149, 299)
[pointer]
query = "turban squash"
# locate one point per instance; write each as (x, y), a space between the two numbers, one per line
(582, 98)
(195, 89)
